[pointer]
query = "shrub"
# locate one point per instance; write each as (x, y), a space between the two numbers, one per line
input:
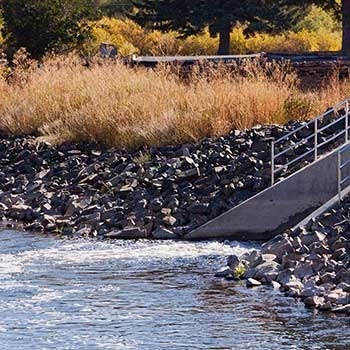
(202, 44)
(318, 20)
(239, 271)
(42, 26)
(131, 39)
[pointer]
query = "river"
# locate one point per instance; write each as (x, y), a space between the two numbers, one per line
(79, 294)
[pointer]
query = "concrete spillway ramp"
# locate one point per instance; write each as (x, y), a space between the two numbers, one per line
(279, 207)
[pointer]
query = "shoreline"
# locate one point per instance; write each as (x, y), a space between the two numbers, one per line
(87, 190)
(309, 263)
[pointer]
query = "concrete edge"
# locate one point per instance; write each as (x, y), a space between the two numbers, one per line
(181, 58)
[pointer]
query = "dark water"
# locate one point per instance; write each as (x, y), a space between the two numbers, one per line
(58, 294)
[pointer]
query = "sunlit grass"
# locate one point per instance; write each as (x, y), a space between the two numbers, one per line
(113, 104)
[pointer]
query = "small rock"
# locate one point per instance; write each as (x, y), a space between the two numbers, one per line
(308, 238)
(252, 258)
(251, 282)
(127, 233)
(163, 233)
(275, 285)
(285, 276)
(169, 220)
(342, 309)
(314, 301)
(303, 270)
(224, 272)
(233, 261)
(279, 246)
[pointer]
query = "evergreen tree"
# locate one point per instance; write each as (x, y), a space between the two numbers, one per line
(46, 25)
(116, 8)
(344, 13)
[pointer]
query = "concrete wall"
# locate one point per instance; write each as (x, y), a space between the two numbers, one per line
(277, 208)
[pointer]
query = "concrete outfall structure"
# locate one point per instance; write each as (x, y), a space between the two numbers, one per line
(279, 207)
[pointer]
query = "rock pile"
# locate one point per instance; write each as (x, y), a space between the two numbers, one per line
(84, 189)
(310, 263)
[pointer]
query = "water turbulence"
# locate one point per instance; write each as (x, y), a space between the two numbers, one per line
(77, 294)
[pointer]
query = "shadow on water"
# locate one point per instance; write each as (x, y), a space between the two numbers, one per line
(145, 295)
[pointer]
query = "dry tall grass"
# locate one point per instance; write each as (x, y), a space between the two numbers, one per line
(124, 107)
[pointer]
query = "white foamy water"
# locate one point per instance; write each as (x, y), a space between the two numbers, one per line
(79, 294)
(85, 252)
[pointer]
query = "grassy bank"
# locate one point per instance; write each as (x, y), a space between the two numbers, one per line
(124, 107)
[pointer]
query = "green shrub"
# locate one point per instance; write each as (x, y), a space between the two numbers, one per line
(239, 271)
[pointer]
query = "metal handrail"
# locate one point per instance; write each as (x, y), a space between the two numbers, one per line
(341, 165)
(331, 124)
(345, 164)
(285, 166)
(294, 146)
(315, 133)
(345, 180)
(331, 139)
(285, 137)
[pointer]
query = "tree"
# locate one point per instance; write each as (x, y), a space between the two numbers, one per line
(345, 14)
(116, 8)
(192, 16)
(1, 27)
(318, 20)
(46, 25)
(341, 9)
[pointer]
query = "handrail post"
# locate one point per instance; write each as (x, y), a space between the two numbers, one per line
(272, 163)
(339, 177)
(347, 122)
(316, 139)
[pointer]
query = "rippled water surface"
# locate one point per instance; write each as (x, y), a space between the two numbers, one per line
(57, 294)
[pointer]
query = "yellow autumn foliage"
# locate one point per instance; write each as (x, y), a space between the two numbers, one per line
(130, 39)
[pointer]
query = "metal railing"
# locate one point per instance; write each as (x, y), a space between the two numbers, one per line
(343, 164)
(316, 129)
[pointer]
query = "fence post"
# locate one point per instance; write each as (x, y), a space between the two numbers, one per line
(339, 177)
(347, 121)
(316, 139)
(272, 163)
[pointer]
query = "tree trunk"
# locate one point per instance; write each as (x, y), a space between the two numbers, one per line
(224, 35)
(346, 27)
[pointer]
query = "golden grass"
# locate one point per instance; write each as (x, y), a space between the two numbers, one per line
(124, 107)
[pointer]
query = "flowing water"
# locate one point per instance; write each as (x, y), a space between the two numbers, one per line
(78, 294)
